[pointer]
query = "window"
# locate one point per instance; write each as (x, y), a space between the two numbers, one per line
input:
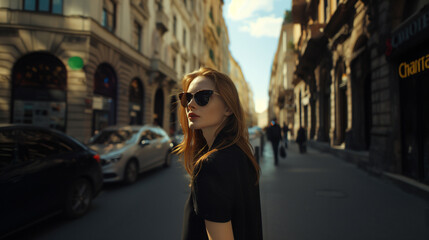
(211, 14)
(211, 53)
(325, 5)
(114, 136)
(108, 18)
(137, 36)
(184, 69)
(184, 37)
(38, 144)
(149, 135)
(174, 25)
(174, 63)
(48, 6)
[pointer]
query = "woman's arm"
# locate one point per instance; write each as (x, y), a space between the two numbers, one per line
(219, 231)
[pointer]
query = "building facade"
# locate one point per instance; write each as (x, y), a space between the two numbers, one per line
(360, 80)
(281, 88)
(244, 91)
(400, 74)
(79, 66)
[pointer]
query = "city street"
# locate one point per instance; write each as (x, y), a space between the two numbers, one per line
(310, 196)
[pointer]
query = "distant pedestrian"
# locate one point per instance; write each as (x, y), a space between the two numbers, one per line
(285, 132)
(301, 139)
(224, 199)
(274, 135)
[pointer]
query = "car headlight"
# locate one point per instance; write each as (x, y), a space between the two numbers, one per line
(113, 159)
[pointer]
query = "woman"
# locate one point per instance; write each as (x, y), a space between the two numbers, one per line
(224, 200)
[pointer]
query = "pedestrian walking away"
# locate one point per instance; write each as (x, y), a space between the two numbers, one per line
(301, 139)
(224, 199)
(274, 135)
(285, 132)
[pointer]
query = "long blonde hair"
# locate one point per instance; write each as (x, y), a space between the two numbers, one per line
(193, 145)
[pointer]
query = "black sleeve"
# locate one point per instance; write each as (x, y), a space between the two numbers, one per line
(213, 191)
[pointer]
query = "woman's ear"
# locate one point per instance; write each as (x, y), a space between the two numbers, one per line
(228, 112)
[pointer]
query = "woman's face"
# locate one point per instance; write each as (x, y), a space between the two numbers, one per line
(210, 116)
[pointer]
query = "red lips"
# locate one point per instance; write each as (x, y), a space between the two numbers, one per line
(192, 115)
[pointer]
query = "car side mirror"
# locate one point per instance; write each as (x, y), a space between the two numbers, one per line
(144, 142)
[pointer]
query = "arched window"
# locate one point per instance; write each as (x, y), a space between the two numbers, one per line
(104, 102)
(136, 102)
(39, 91)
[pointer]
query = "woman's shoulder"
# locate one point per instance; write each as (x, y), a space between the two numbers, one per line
(227, 156)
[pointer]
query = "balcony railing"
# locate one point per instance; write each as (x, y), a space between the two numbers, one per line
(161, 21)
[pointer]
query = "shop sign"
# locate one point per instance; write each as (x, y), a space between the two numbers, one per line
(408, 69)
(417, 25)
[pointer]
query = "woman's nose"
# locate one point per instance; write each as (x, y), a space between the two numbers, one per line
(192, 104)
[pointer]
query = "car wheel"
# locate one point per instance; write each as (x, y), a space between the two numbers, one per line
(79, 197)
(168, 157)
(131, 172)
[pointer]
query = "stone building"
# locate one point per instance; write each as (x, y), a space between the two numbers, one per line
(360, 82)
(399, 57)
(244, 91)
(215, 37)
(79, 66)
(281, 89)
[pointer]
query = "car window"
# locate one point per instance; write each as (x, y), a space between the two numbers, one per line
(161, 133)
(113, 136)
(148, 135)
(39, 144)
(7, 148)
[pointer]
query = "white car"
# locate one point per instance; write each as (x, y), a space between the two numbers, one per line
(126, 151)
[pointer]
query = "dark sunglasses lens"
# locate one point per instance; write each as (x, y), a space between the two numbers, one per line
(203, 97)
(183, 99)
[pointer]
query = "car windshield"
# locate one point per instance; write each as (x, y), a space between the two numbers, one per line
(113, 136)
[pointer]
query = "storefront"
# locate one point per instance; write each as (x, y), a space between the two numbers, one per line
(409, 53)
(39, 91)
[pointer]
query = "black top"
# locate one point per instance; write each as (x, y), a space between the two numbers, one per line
(224, 190)
(274, 133)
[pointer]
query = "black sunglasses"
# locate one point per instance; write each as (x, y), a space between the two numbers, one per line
(201, 97)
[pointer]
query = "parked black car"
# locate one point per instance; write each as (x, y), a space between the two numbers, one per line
(44, 172)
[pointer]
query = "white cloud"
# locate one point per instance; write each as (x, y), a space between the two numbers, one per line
(243, 9)
(263, 27)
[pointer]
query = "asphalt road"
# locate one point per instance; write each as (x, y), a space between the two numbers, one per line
(151, 208)
(308, 196)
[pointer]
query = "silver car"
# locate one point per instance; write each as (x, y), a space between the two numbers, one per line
(126, 151)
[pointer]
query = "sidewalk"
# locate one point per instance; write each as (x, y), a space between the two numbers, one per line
(320, 196)
(361, 159)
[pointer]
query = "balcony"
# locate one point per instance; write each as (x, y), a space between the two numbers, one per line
(341, 16)
(159, 72)
(313, 54)
(161, 21)
(299, 12)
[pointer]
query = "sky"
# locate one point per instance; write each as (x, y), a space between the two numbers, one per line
(254, 28)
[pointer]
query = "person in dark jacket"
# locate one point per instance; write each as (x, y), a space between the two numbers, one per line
(285, 132)
(301, 139)
(224, 199)
(274, 135)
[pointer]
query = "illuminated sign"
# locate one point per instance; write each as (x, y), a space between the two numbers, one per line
(415, 26)
(407, 69)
